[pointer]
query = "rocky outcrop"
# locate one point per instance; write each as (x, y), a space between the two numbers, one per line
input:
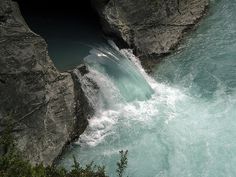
(41, 101)
(86, 92)
(151, 27)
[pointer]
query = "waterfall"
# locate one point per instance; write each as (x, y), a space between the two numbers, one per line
(178, 123)
(120, 80)
(108, 61)
(127, 97)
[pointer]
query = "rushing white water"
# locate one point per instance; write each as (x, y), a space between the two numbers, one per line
(179, 123)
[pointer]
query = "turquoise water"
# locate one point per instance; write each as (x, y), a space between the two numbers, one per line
(117, 69)
(185, 126)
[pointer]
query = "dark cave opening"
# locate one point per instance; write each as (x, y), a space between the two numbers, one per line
(69, 27)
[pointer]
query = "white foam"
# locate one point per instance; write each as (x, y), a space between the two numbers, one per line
(102, 124)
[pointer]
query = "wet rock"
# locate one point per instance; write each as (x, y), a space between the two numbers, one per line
(87, 93)
(151, 27)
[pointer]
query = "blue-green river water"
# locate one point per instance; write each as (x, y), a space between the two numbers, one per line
(179, 122)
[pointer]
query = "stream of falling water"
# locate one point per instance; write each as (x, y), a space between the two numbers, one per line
(181, 122)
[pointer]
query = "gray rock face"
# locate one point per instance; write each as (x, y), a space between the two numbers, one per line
(86, 90)
(41, 101)
(151, 27)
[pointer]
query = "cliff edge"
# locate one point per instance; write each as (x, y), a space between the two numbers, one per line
(152, 28)
(43, 103)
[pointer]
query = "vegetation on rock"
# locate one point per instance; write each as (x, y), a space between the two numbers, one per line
(12, 163)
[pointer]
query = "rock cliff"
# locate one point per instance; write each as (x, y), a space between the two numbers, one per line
(42, 102)
(151, 27)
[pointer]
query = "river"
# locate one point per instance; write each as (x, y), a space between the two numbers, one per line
(178, 122)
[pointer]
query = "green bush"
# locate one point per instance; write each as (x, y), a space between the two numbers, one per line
(12, 164)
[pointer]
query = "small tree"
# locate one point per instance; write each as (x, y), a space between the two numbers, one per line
(122, 164)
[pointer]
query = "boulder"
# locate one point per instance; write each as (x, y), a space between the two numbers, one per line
(151, 27)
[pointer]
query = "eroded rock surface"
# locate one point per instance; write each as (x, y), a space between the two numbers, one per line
(151, 27)
(40, 100)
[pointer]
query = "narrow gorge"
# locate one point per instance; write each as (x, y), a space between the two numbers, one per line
(145, 76)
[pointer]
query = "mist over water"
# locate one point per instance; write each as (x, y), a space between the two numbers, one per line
(181, 122)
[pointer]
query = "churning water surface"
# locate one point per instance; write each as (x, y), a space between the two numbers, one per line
(181, 122)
